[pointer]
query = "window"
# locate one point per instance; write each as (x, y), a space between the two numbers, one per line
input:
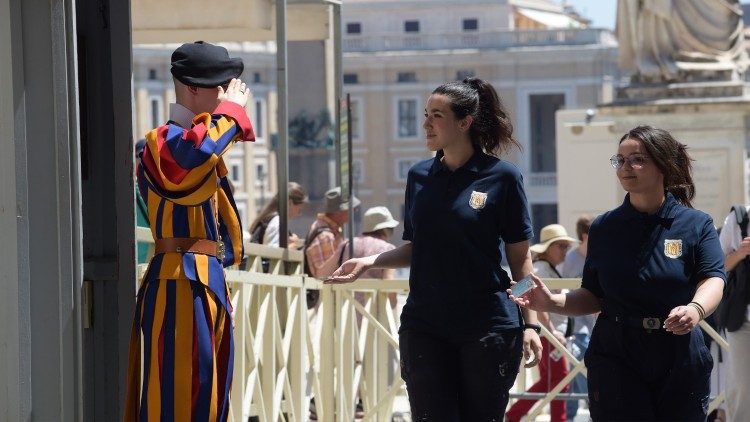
(235, 172)
(155, 108)
(354, 118)
(406, 77)
(259, 123)
(351, 78)
(402, 167)
(241, 210)
(261, 174)
(542, 108)
(542, 215)
(407, 118)
(411, 26)
(464, 73)
(358, 171)
(152, 74)
(471, 24)
(256, 77)
(354, 28)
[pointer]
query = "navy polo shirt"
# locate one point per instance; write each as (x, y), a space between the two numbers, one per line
(455, 221)
(645, 265)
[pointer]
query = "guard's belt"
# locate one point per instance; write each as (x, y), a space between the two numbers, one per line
(186, 244)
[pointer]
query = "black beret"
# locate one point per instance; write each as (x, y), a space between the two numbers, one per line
(205, 65)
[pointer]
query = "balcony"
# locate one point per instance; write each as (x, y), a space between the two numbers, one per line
(499, 40)
(547, 179)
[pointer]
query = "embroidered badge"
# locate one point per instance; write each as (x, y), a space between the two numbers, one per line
(673, 248)
(477, 200)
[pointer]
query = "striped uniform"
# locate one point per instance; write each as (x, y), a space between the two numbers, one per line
(183, 308)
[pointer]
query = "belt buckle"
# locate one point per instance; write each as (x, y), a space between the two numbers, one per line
(651, 323)
(221, 251)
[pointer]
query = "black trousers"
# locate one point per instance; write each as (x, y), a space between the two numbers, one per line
(459, 381)
(636, 375)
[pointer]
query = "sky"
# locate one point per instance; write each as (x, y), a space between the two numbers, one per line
(601, 12)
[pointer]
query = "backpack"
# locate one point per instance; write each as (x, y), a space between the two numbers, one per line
(732, 310)
(313, 295)
(257, 237)
(260, 229)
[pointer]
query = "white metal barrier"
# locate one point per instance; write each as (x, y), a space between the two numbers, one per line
(343, 351)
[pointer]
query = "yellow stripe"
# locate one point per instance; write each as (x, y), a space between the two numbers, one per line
(153, 205)
(201, 268)
(231, 219)
(183, 370)
(166, 219)
(154, 375)
(214, 388)
(171, 267)
(194, 176)
(195, 222)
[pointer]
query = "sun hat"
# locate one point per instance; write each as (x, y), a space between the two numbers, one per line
(335, 202)
(377, 218)
(548, 235)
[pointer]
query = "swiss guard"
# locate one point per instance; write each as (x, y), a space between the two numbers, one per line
(183, 316)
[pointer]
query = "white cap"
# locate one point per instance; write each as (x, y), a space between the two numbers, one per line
(377, 218)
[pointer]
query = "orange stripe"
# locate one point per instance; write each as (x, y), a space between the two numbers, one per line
(214, 387)
(166, 219)
(183, 374)
(231, 219)
(201, 268)
(196, 223)
(154, 376)
(171, 267)
(153, 205)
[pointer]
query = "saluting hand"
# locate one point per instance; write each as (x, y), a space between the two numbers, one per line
(682, 320)
(237, 92)
(537, 299)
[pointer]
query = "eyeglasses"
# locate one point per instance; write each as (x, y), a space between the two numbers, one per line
(634, 161)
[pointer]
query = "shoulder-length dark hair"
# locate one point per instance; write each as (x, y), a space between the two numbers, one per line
(297, 195)
(672, 159)
(491, 129)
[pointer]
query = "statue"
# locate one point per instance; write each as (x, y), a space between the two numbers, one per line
(681, 40)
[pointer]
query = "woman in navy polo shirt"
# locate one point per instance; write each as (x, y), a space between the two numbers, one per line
(461, 337)
(655, 269)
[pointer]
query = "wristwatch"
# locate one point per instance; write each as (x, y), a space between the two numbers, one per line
(535, 327)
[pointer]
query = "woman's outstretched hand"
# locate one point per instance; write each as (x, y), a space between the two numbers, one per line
(350, 270)
(537, 299)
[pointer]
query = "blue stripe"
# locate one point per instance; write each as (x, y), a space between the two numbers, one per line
(188, 266)
(230, 365)
(209, 221)
(187, 156)
(205, 355)
(216, 282)
(180, 227)
(168, 361)
(148, 325)
(184, 152)
(159, 214)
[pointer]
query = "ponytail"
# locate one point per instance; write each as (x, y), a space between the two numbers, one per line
(491, 129)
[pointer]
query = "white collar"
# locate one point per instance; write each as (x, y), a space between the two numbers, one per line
(181, 115)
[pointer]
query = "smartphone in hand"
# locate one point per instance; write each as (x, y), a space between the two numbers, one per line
(522, 287)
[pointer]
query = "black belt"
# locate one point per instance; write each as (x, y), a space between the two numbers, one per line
(645, 323)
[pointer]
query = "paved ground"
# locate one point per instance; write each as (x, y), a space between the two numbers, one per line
(401, 412)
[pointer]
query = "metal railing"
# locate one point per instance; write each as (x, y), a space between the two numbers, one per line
(344, 350)
(484, 40)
